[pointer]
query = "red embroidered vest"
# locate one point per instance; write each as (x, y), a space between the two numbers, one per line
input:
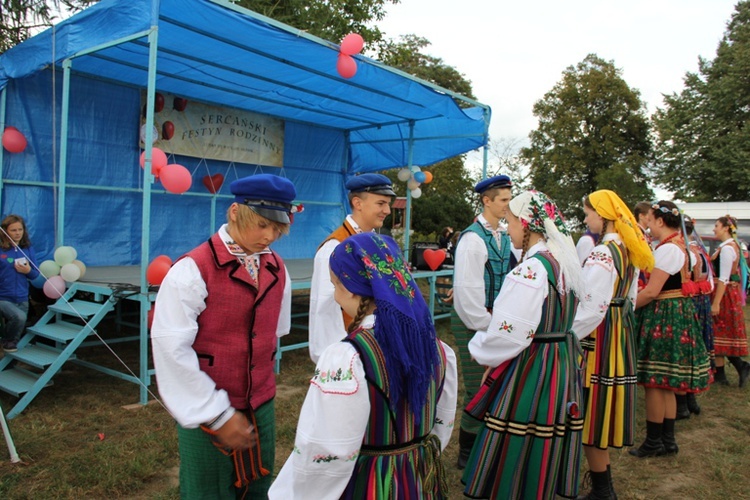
(236, 341)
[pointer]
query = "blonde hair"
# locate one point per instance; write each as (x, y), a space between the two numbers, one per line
(248, 218)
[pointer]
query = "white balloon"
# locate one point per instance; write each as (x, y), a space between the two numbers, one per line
(416, 193)
(404, 174)
(70, 272)
(415, 168)
(81, 266)
(154, 135)
(412, 184)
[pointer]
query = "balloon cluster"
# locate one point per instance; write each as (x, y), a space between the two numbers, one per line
(351, 44)
(13, 140)
(413, 178)
(175, 178)
(66, 268)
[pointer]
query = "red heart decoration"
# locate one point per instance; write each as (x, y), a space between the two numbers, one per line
(213, 182)
(434, 258)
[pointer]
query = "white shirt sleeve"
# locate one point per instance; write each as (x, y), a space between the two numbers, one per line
(584, 247)
(599, 275)
(445, 413)
(516, 314)
(326, 321)
(669, 258)
(285, 315)
(468, 282)
(330, 429)
(726, 259)
(189, 393)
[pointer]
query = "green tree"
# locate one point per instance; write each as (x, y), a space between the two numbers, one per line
(703, 133)
(327, 19)
(447, 200)
(593, 134)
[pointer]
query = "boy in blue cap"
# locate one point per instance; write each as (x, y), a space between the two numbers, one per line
(218, 314)
(483, 258)
(370, 197)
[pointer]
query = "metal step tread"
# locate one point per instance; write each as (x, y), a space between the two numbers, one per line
(77, 308)
(34, 355)
(17, 381)
(60, 331)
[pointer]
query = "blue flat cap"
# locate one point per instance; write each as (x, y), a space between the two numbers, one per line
(267, 195)
(371, 183)
(499, 181)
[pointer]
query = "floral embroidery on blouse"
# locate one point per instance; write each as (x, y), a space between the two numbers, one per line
(505, 326)
(526, 273)
(531, 334)
(603, 307)
(333, 376)
(351, 457)
(324, 458)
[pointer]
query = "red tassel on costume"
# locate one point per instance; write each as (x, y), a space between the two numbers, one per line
(690, 288)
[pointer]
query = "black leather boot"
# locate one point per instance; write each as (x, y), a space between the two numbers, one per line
(692, 404)
(653, 445)
(720, 377)
(667, 437)
(682, 407)
(601, 487)
(742, 367)
(465, 443)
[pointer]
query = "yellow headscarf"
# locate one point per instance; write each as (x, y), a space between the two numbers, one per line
(608, 205)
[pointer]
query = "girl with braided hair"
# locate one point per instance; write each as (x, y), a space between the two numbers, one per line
(529, 443)
(610, 272)
(730, 338)
(671, 354)
(381, 405)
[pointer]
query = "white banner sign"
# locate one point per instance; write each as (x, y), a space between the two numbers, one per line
(203, 131)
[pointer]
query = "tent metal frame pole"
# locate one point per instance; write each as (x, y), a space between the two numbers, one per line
(148, 179)
(407, 212)
(64, 117)
(485, 149)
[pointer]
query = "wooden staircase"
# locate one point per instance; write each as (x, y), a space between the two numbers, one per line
(67, 323)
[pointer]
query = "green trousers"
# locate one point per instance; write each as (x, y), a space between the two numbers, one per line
(206, 473)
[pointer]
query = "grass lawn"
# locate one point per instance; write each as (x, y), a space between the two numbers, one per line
(77, 439)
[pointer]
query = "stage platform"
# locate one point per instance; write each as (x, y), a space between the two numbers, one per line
(125, 281)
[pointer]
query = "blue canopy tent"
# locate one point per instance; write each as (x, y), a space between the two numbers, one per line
(76, 92)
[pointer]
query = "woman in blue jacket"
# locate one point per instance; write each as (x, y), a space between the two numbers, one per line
(17, 268)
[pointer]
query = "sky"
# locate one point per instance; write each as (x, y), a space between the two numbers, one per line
(515, 52)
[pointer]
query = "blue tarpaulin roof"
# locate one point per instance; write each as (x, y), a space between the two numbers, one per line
(217, 53)
(213, 52)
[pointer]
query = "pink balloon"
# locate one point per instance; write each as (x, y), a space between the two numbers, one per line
(54, 287)
(175, 178)
(346, 66)
(13, 140)
(352, 44)
(158, 160)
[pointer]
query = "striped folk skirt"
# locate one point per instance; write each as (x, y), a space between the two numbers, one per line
(609, 382)
(530, 444)
(730, 338)
(471, 371)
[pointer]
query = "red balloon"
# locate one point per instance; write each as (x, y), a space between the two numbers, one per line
(164, 258)
(352, 44)
(175, 178)
(156, 271)
(167, 130)
(158, 102)
(346, 66)
(13, 140)
(179, 104)
(158, 160)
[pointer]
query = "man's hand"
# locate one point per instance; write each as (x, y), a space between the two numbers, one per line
(237, 433)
